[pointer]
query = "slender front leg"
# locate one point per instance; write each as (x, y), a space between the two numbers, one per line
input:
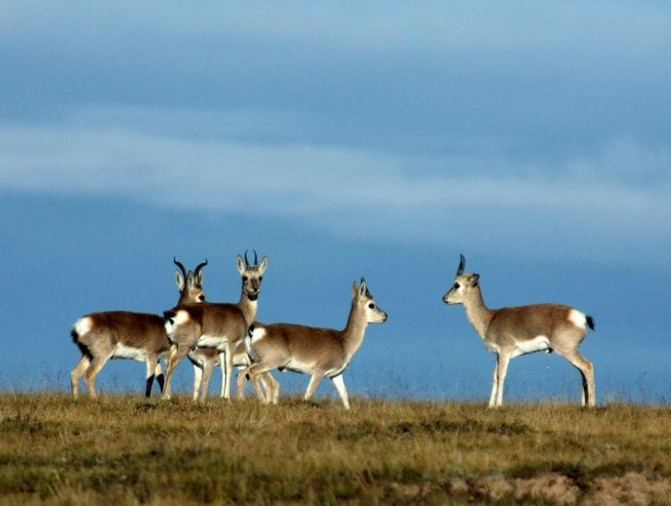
(197, 380)
(228, 372)
(339, 383)
(502, 369)
(222, 364)
(495, 384)
(240, 383)
(207, 374)
(312, 386)
(272, 388)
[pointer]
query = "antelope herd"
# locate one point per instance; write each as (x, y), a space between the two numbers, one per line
(226, 334)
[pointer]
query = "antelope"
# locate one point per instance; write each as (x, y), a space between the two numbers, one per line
(317, 352)
(123, 334)
(513, 331)
(214, 325)
(205, 359)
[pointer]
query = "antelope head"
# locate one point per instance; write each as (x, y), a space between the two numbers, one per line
(190, 284)
(251, 274)
(464, 283)
(362, 297)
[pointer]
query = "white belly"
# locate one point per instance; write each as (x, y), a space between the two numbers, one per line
(539, 343)
(123, 351)
(301, 367)
(211, 341)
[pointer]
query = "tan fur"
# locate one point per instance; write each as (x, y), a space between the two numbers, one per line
(318, 352)
(513, 331)
(215, 325)
(100, 335)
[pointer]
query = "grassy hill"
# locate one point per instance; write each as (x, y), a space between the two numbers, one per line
(125, 450)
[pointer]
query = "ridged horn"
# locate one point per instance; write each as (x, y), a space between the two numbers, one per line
(462, 265)
(181, 267)
(199, 267)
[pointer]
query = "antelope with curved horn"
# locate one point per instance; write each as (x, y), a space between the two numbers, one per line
(214, 325)
(317, 352)
(513, 331)
(124, 334)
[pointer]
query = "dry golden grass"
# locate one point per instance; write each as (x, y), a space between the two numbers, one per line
(125, 450)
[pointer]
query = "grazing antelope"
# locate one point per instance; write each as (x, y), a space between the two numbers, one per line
(214, 325)
(513, 331)
(205, 359)
(123, 334)
(317, 352)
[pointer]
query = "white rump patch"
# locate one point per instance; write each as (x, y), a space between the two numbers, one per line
(577, 318)
(181, 317)
(258, 333)
(539, 343)
(123, 351)
(83, 325)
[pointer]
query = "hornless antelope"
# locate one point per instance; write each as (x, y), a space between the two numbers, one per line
(122, 334)
(317, 352)
(214, 325)
(513, 331)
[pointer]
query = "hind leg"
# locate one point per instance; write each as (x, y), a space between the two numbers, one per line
(152, 361)
(159, 375)
(586, 373)
(175, 355)
(76, 374)
(91, 373)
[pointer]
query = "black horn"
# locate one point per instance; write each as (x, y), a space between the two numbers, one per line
(246, 261)
(256, 258)
(181, 267)
(462, 265)
(199, 267)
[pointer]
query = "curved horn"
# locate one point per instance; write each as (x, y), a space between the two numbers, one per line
(246, 261)
(181, 267)
(199, 267)
(256, 258)
(462, 265)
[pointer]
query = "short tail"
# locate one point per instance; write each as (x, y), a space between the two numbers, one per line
(590, 322)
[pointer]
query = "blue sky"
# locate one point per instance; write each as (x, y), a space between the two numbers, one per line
(343, 139)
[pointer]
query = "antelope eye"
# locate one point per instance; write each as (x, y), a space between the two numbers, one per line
(371, 305)
(260, 278)
(456, 286)
(245, 278)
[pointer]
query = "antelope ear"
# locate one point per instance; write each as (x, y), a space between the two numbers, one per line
(355, 290)
(240, 264)
(199, 278)
(179, 279)
(363, 289)
(475, 280)
(264, 265)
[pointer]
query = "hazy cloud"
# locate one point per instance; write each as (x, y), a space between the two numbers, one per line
(586, 205)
